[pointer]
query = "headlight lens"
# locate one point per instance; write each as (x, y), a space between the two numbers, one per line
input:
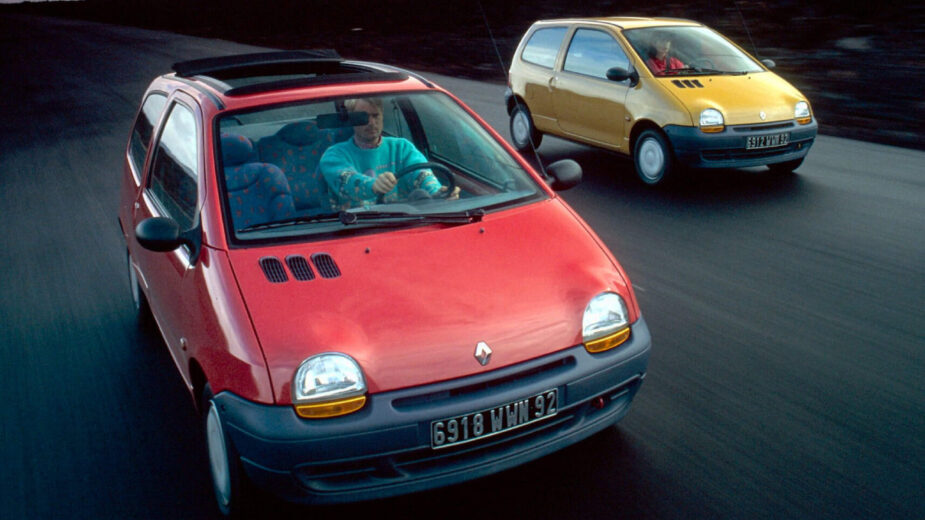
(801, 112)
(605, 323)
(328, 385)
(711, 120)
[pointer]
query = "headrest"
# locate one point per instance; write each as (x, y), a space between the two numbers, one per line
(236, 149)
(299, 133)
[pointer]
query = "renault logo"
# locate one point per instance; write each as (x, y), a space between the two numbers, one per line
(762, 115)
(483, 353)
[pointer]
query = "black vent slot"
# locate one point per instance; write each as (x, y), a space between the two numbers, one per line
(697, 83)
(687, 83)
(325, 265)
(300, 268)
(678, 83)
(273, 269)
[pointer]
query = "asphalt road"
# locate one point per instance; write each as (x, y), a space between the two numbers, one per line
(787, 316)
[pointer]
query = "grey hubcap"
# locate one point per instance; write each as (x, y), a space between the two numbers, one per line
(218, 456)
(651, 161)
(521, 129)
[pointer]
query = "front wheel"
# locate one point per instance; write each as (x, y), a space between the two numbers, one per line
(784, 168)
(233, 493)
(139, 301)
(652, 158)
(524, 134)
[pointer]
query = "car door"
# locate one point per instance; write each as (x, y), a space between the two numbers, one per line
(172, 190)
(588, 106)
(539, 61)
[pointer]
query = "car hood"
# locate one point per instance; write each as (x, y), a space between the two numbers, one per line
(411, 305)
(741, 99)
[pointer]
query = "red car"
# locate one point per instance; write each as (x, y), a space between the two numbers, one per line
(354, 330)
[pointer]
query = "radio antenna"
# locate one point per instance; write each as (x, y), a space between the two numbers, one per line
(747, 32)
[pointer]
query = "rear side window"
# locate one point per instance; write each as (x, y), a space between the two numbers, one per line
(175, 172)
(541, 49)
(592, 52)
(144, 128)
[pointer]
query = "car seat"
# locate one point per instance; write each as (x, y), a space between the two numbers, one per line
(258, 192)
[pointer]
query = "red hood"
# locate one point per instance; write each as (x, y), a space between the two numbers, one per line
(411, 305)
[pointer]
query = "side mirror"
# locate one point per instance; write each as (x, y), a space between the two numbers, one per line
(768, 63)
(563, 174)
(621, 74)
(163, 234)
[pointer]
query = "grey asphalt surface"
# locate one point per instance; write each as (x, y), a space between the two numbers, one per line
(787, 315)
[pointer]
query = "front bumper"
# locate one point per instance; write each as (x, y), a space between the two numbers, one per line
(384, 449)
(726, 149)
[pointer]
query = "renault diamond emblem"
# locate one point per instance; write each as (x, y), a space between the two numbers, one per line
(483, 353)
(762, 115)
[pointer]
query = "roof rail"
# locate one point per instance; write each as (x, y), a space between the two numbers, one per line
(322, 57)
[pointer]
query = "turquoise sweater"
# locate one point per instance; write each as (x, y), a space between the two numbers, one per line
(350, 171)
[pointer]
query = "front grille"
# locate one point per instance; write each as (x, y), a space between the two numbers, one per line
(741, 153)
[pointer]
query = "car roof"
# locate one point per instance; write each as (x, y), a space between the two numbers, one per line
(625, 22)
(243, 75)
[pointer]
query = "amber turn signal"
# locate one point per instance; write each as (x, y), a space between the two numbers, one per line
(608, 342)
(330, 408)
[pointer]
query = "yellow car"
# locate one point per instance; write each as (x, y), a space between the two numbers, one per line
(666, 92)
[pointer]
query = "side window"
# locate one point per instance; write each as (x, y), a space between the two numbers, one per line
(393, 121)
(542, 48)
(174, 174)
(592, 52)
(144, 127)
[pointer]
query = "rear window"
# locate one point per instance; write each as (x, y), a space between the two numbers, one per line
(543, 46)
(143, 129)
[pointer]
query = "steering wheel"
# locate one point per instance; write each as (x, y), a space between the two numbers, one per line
(702, 63)
(435, 167)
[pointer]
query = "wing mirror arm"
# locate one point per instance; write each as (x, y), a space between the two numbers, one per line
(620, 74)
(163, 234)
(563, 174)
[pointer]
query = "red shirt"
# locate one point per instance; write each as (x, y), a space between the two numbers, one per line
(657, 66)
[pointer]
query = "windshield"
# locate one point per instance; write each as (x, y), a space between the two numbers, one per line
(688, 51)
(392, 160)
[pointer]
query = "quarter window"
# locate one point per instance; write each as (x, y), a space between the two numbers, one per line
(175, 173)
(144, 128)
(542, 48)
(593, 52)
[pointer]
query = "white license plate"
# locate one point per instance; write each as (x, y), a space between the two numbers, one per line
(757, 142)
(485, 423)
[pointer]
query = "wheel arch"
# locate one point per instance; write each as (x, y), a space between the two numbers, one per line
(641, 126)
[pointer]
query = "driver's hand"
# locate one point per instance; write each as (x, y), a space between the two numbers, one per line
(452, 196)
(384, 183)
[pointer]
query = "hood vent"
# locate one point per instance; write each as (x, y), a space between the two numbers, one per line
(273, 269)
(301, 271)
(325, 265)
(687, 83)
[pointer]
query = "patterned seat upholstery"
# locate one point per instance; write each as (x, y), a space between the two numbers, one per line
(297, 149)
(257, 192)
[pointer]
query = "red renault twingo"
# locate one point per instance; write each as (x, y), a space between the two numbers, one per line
(365, 289)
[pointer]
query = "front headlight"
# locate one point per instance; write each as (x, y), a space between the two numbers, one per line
(711, 120)
(605, 323)
(328, 385)
(801, 113)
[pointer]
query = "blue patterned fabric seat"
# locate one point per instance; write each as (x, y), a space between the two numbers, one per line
(257, 192)
(297, 149)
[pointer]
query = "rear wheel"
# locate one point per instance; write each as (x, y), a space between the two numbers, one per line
(523, 132)
(785, 167)
(233, 492)
(652, 158)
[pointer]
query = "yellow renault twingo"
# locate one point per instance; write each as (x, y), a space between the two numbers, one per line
(666, 92)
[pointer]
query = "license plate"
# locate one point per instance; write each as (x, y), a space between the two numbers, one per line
(486, 423)
(756, 142)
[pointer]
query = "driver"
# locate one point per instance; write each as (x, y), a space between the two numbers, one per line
(660, 62)
(361, 169)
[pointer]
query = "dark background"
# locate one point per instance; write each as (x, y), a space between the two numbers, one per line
(862, 64)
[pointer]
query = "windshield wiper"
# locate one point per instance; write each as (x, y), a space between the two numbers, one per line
(348, 218)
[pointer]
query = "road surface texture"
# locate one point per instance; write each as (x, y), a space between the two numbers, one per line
(786, 379)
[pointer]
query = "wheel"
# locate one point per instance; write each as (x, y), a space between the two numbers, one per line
(652, 158)
(435, 167)
(702, 63)
(139, 300)
(233, 492)
(524, 135)
(784, 168)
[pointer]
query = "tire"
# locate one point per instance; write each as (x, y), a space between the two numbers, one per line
(524, 134)
(785, 168)
(234, 494)
(139, 300)
(653, 159)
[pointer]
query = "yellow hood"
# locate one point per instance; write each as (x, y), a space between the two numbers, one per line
(741, 99)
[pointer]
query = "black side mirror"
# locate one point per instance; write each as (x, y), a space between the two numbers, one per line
(621, 74)
(563, 174)
(768, 63)
(163, 234)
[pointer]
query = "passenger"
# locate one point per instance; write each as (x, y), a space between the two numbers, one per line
(660, 62)
(361, 169)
